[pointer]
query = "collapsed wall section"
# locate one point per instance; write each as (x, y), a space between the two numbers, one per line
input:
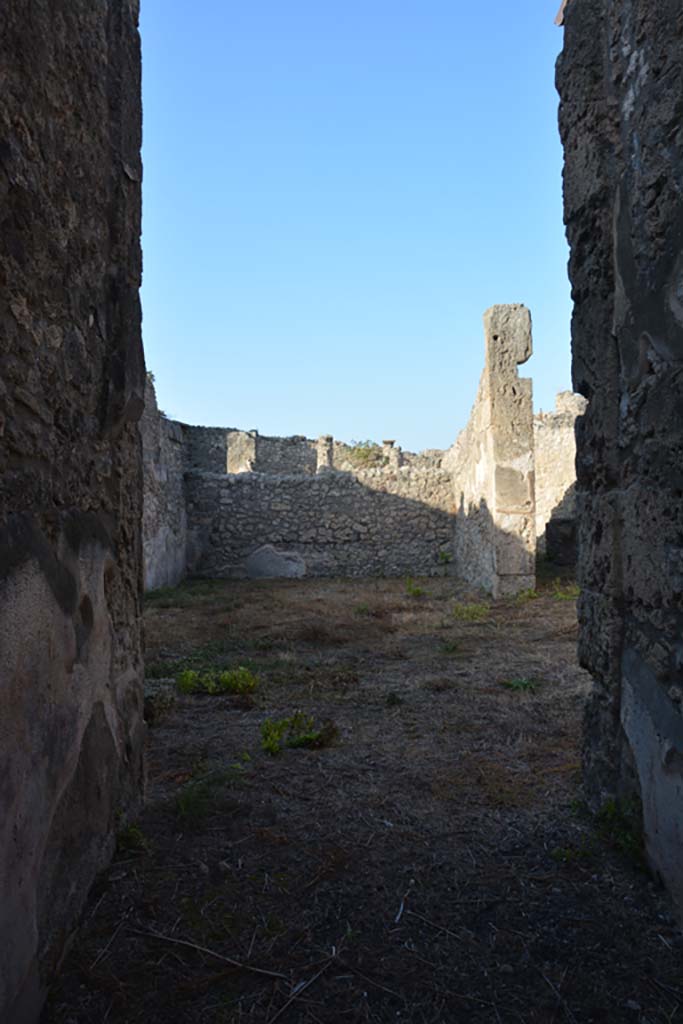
(621, 123)
(492, 465)
(71, 389)
(371, 523)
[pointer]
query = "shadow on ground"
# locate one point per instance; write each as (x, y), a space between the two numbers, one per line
(427, 859)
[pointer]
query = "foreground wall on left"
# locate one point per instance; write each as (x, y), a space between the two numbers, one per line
(71, 390)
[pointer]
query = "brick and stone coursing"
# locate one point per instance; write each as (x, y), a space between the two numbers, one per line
(71, 390)
(621, 121)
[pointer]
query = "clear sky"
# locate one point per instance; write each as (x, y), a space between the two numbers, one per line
(334, 192)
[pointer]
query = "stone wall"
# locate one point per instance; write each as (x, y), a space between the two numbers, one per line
(491, 469)
(71, 390)
(619, 78)
(285, 455)
(492, 465)
(371, 523)
(164, 519)
(225, 449)
(241, 455)
(206, 448)
(554, 460)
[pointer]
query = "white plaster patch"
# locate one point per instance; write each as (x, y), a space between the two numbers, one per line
(660, 771)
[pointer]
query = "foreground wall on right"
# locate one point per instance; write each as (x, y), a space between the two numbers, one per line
(621, 122)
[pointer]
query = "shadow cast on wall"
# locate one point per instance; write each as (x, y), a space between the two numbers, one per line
(335, 524)
(560, 538)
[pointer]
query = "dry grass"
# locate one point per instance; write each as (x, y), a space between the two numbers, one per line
(427, 866)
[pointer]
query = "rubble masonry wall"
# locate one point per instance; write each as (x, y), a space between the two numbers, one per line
(619, 80)
(71, 390)
(492, 465)
(164, 517)
(371, 523)
(554, 461)
(382, 510)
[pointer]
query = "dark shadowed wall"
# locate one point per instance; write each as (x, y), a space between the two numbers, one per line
(71, 391)
(621, 120)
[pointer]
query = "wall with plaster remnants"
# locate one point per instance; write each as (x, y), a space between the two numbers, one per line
(492, 464)
(71, 390)
(554, 461)
(619, 78)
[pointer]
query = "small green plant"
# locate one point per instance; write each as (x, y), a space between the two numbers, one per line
(132, 839)
(450, 647)
(362, 610)
(196, 798)
(160, 669)
(526, 595)
(160, 698)
(570, 592)
(191, 593)
(239, 680)
(298, 730)
(619, 823)
(572, 854)
(365, 454)
(412, 588)
(520, 685)
(265, 643)
(445, 557)
(470, 612)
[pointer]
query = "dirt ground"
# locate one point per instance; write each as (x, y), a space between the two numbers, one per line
(422, 857)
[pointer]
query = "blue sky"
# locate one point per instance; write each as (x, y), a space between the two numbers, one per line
(333, 194)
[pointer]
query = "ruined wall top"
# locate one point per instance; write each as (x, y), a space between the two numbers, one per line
(507, 330)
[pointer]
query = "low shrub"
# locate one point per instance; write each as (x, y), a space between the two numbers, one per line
(412, 588)
(520, 685)
(231, 680)
(296, 731)
(470, 612)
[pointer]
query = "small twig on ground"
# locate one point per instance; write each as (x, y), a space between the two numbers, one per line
(210, 952)
(558, 632)
(560, 1000)
(431, 924)
(376, 984)
(102, 953)
(561, 984)
(251, 944)
(676, 992)
(403, 903)
(301, 989)
(474, 999)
